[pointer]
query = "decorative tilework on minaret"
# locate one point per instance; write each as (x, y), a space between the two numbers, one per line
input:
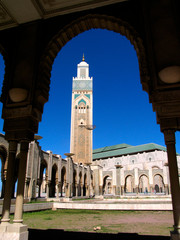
(81, 115)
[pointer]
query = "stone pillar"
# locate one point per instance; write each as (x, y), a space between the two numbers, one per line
(21, 183)
(122, 190)
(67, 190)
(167, 185)
(150, 180)
(81, 190)
(61, 189)
(169, 136)
(47, 188)
(136, 180)
(9, 182)
(88, 191)
(151, 189)
(97, 179)
(27, 182)
(39, 183)
(118, 179)
(57, 190)
(76, 187)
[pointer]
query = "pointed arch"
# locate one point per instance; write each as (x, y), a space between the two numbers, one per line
(144, 184)
(107, 184)
(82, 24)
(158, 183)
(129, 184)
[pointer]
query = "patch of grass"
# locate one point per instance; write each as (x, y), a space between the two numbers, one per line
(109, 221)
(48, 218)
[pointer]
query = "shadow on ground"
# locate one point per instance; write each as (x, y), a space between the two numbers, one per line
(36, 234)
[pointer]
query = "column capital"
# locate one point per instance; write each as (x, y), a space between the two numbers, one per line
(169, 136)
(12, 146)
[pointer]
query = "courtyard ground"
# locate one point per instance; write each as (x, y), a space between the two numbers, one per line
(63, 224)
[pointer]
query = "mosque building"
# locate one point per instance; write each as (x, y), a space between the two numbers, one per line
(119, 169)
(116, 170)
(81, 115)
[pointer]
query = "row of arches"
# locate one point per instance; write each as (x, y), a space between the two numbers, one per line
(64, 182)
(47, 175)
(143, 185)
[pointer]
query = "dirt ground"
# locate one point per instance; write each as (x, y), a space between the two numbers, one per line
(152, 223)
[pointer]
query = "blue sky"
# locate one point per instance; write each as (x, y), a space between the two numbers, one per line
(122, 112)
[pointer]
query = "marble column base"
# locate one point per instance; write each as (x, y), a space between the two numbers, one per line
(14, 231)
(175, 235)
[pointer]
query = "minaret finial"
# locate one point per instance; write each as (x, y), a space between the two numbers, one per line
(83, 59)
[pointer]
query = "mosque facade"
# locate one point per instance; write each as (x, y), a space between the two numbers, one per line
(130, 170)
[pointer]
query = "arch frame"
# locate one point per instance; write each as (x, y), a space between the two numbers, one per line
(80, 25)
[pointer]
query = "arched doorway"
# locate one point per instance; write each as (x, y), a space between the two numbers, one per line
(107, 185)
(85, 185)
(63, 182)
(80, 185)
(143, 184)
(43, 178)
(158, 184)
(54, 181)
(74, 186)
(129, 184)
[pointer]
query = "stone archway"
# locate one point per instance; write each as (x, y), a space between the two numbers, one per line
(85, 185)
(80, 184)
(143, 184)
(158, 184)
(107, 185)
(74, 184)
(43, 177)
(82, 24)
(63, 181)
(129, 184)
(54, 179)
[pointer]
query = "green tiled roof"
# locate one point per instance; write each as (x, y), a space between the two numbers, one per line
(125, 149)
(111, 148)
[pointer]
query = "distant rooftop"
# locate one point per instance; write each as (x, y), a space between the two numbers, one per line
(124, 149)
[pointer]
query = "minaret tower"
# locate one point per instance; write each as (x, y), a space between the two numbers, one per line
(81, 115)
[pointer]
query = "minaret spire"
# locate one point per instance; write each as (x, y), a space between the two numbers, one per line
(83, 59)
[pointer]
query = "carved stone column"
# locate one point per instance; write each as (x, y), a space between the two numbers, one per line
(87, 191)
(57, 190)
(67, 190)
(169, 136)
(61, 189)
(39, 183)
(76, 187)
(9, 182)
(81, 190)
(27, 182)
(21, 183)
(47, 188)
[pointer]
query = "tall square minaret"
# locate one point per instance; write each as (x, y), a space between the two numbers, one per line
(81, 115)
